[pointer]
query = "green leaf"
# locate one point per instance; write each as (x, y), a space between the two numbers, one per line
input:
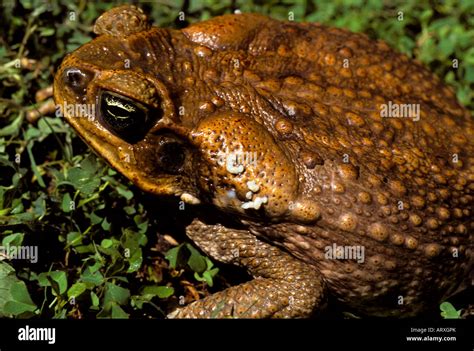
(469, 74)
(196, 261)
(60, 280)
(14, 297)
(118, 312)
(95, 300)
(16, 308)
(94, 278)
(446, 46)
(74, 239)
(106, 243)
(34, 167)
(43, 280)
(209, 276)
(83, 179)
(115, 293)
(130, 210)
(18, 207)
(13, 128)
(135, 261)
(96, 266)
(39, 206)
(46, 32)
(172, 256)
(160, 291)
(125, 193)
(76, 290)
(142, 225)
(105, 225)
(448, 311)
(66, 203)
(137, 301)
(48, 125)
(21, 301)
(31, 133)
(15, 239)
(95, 219)
(131, 242)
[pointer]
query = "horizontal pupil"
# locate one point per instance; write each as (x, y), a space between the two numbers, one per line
(118, 112)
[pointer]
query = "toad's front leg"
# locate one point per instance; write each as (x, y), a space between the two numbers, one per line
(283, 287)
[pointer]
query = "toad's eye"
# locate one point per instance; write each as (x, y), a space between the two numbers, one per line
(124, 117)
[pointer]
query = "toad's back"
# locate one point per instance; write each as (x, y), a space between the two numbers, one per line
(385, 148)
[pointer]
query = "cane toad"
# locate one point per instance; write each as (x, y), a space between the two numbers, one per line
(333, 165)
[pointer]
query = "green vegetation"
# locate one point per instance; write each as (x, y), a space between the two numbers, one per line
(448, 311)
(99, 252)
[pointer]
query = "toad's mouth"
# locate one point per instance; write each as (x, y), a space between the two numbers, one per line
(157, 164)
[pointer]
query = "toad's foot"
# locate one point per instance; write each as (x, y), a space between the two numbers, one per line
(284, 287)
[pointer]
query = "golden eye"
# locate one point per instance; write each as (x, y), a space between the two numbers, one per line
(123, 116)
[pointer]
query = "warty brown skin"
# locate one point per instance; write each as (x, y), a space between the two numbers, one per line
(306, 101)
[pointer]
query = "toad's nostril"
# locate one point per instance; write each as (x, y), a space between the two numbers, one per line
(74, 77)
(77, 79)
(171, 156)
